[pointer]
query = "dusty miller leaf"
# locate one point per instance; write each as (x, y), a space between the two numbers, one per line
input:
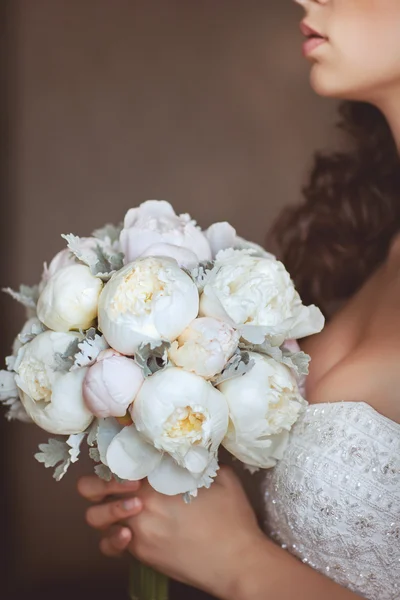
(16, 411)
(60, 453)
(89, 349)
(64, 362)
(297, 361)
(10, 362)
(74, 442)
(8, 387)
(107, 263)
(200, 274)
(9, 397)
(55, 452)
(27, 296)
(109, 233)
(103, 472)
(94, 454)
(152, 357)
(92, 433)
(28, 336)
(101, 263)
(238, 365)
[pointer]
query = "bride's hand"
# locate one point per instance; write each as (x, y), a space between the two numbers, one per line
(204, 543)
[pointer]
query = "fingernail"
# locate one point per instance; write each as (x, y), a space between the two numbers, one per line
(124, 534)
(131, 503)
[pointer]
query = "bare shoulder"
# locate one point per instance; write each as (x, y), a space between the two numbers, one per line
(368, 369)
(370, 375)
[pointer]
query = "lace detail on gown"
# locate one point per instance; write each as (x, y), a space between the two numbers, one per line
(334, 499)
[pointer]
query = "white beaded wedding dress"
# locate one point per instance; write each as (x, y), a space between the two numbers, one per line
(334, 499)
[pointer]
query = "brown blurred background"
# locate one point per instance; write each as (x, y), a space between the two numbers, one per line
(106, 103)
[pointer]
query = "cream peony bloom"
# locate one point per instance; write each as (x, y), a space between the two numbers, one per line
(155, 222)
(69, 299)
(52, 397)
(111, 384)
(257, 294)
(204, 347)
(263, 405)
(148, 300)
(179, 423)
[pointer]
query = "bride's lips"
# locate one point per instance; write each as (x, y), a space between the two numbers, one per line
(314, 39)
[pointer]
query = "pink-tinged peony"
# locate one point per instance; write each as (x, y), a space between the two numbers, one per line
(111, 385)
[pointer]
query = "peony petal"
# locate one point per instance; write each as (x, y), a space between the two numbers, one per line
(149, 208)
(183, 256)
(130, 457)
(171, 479)
(242, 244)
(211, 306)
(197, 459)
(106, 432)
(220, 236)
(310, 321)
(256, 334)
(262, 454)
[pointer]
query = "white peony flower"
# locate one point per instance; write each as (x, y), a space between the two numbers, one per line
(155, 222)
(205, 347)
(179, 423)
(257, 294)
(111, 384)
(263, 405)
(51, 395)
(148, 300)
(183, 256)
(69, 299)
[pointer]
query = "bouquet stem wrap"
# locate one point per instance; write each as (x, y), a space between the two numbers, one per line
(147, 584)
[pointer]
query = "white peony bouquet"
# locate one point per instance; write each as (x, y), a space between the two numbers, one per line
(158, 342)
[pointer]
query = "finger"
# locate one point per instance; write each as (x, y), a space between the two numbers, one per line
(95, 489)
(102, 516)
(116, 542)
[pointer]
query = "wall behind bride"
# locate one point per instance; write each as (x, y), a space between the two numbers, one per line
(205, 104)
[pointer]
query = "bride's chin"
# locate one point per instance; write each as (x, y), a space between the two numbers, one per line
(320, 81)
(327, 84)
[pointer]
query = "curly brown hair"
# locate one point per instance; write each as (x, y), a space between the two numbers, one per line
(342, 231)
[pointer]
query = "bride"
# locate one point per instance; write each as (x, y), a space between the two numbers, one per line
(332, 505)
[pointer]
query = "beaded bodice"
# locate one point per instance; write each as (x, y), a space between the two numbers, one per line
(334, 499)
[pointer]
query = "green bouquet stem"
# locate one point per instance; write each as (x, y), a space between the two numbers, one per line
(147, 584)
